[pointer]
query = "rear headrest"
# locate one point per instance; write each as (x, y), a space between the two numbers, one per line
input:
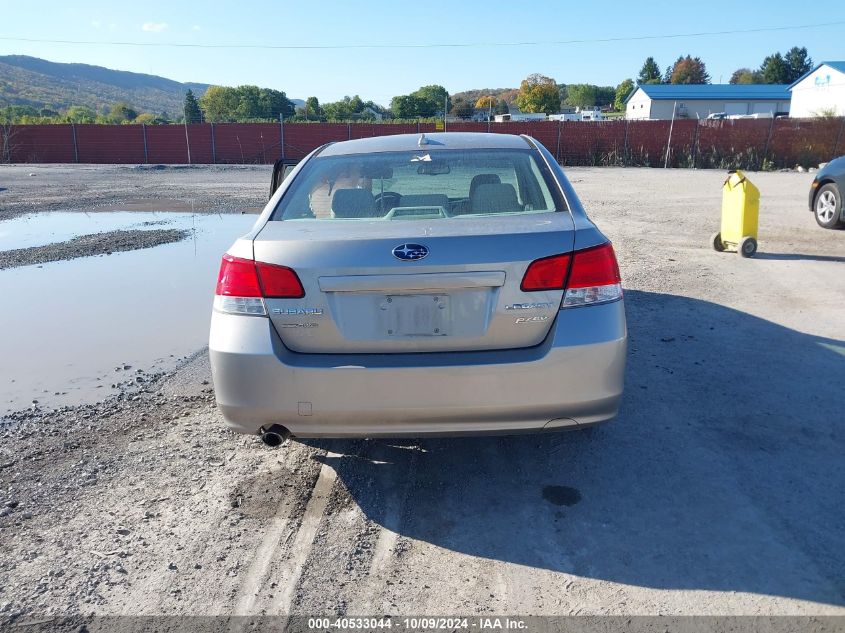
(483, 179)
(354, 203)
(425, 200)
(494, 199)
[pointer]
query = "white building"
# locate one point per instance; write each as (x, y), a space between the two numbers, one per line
(578, 114)
(591, 114)
(821, 92)
(698, 101)
(565, 116)
(519, 116)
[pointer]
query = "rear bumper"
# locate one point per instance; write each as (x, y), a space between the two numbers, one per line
(573, 378)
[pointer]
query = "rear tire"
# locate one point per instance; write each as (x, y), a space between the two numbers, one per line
(716, 241)
(828, 207)
(747, 246)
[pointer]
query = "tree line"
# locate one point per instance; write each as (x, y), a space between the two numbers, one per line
(219, 104)
(537, 93)
(114, 114)
(774, 69)
(346, 109)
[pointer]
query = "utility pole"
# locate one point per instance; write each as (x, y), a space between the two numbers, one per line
(187, 140)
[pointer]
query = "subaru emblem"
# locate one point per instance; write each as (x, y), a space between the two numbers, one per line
(410, 252)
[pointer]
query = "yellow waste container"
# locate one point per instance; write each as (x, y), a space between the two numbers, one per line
(740, 211)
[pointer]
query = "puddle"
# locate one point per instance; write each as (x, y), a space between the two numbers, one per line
(38, 229)
(157, 204)
(66, 325)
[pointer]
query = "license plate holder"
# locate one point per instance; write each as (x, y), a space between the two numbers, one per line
(416, 315)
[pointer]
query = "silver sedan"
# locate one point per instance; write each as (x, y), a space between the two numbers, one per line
(419, 284)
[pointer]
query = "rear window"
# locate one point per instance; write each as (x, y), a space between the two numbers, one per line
(425, 184)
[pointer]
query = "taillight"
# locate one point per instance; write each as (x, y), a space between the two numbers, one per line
(237, 278)
(279, 282)
(548, 273)
(589, 276)
(243, 284)
(594, 277)
(594, 267)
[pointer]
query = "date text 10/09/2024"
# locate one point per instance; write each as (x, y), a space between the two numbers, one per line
(417, 624)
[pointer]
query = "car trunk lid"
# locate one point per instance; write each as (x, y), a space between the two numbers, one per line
(463, 295)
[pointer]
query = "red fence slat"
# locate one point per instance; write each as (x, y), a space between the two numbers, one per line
(40, 144)
(110, 143)
(748, 143)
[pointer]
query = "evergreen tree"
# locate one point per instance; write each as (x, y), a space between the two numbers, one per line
(649, 73)
(775, 70)
(799, 63)
(192, 108)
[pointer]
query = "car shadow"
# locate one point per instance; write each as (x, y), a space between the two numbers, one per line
(724, 470)
(799, 256)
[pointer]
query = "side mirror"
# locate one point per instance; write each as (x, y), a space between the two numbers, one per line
(281, 170)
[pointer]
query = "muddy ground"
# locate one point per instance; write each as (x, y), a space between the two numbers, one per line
(717, 490)
(91, 245)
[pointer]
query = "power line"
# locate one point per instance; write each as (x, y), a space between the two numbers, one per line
(429, 45)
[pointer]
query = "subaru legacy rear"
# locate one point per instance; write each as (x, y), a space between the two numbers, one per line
(419, 284)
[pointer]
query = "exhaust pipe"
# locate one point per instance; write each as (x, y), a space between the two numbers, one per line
(274, 436)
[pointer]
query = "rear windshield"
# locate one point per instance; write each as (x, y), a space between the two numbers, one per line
(425, 184)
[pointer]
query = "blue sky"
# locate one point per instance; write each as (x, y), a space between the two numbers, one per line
(379, 74)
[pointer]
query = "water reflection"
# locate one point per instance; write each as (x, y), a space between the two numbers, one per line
(38, 229)
(66, 326)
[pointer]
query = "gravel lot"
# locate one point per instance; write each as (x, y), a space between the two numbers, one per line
(218, 188)
(718, 490)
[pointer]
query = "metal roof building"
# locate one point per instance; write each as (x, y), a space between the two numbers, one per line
(698, 101)
(821, 92)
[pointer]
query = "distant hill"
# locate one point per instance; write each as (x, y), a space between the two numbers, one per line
(41, 83)
(508, 94)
